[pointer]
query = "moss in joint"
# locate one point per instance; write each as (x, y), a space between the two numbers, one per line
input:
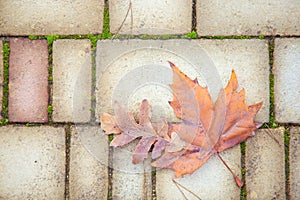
(6, 52)
(243, 194)
(272, 123)
(287, 160)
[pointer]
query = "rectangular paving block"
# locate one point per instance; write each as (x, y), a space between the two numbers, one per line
(150, 17)
(32, 162)
(72, 66)
(211, 181)
(265, 165)
(243, 17)
(286, 83)
(250, 60)
(294, 163)
(1, 76)
(130, 181)
(88, 176)
(130, 71)
(46, 17)
(28, 80)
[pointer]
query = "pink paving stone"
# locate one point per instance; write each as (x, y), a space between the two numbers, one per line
(28, 80)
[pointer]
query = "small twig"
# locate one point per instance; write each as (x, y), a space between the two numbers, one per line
(178, 184)
(236, 178)
(272, 136)
(120, 27)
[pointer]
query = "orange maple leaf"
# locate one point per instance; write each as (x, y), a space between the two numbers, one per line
(208, 128)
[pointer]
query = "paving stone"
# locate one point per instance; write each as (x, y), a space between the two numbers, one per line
(287, 84)
(211, 181)
(1, 76)
(295, 163)
(88, 175)
(243, 17)
(129, 71)
(28, 80)
(46, 17)
(130, 181)
(72, 65)
(265, 165)
(151, 17)
(32, 162)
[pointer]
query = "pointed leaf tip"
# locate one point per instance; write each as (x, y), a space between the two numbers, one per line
(233, 82)
(171, 64)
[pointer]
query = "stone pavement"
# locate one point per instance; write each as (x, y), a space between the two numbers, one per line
(53, 88)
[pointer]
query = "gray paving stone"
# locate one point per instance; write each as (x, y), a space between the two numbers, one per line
(32, 162)
(88, 163)
(243, 17)
(72, 65)
(151, 17)
(130, 181)
(28, 80)
(129, 71)
(45, 17)
(295, 163)
(287, 84)
(265, 165)
(1, 76)
(211, 181)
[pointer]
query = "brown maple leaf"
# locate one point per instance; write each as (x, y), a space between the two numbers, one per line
(208, 128)
(149, 133)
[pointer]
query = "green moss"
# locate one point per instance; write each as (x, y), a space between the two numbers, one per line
(191, 35)
(50, 69)
(35, 37)
(243, 194)
(243, 148)
(287, 160)
(29, 124)
(110, 137)
(51, 38)
(220, 37)
(272, 123)
(6, 52)
(106, 26)
(243, 170)
(67, 165)
(50, 110)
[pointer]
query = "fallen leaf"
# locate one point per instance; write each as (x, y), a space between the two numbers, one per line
(207, 128)
(108, 124)
(148, 132)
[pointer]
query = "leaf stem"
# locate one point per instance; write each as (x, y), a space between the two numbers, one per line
(236, 178)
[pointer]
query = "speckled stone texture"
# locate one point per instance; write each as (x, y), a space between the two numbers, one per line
(130, 181)
(295, 163)
(32, 162)
(151, 17)
(265, 165)
(286, 82)
(244, 17)
(88, 163)
(72, 68)
(45, 17)
(211, 181)
(28, 80)
(130, 71)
